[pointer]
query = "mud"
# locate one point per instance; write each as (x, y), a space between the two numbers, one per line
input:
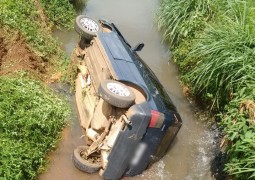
(3, 50)
(15, 55)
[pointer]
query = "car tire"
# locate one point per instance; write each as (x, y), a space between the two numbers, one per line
(86, 27)
(116, 93)
(82, 164)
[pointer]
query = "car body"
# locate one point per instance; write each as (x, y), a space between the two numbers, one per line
(127, 117)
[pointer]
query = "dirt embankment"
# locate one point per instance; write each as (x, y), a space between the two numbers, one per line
(15, 55)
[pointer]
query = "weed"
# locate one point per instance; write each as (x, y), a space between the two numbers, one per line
(224, 56)
(61, 13)
(31, 117)
(180, 19)
(24, 16)
(239, 126)
(213, 43)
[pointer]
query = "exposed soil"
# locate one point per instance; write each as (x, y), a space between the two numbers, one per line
(15, 55)
(3, 50)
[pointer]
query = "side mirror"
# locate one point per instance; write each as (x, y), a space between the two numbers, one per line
(106, 23)
(138, 47)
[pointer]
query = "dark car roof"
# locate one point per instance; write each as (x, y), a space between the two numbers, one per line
(129, 67)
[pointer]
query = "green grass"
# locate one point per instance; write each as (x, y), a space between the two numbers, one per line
(23, 16)
(179, 19)
(213, 43)
(224, 56)
(31, 117)
(60, 13)
(181, 22)
(238, 122)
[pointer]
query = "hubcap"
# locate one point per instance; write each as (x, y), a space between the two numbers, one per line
(118, 89)
(89, 24)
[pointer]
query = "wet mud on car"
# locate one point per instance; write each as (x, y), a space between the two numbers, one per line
(128, 120)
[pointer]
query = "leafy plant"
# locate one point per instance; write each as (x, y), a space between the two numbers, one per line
(179, 19)
(31, 117)
(23, 16)
(225, 56)
(213, 43)
(61, 13)
(239, 126)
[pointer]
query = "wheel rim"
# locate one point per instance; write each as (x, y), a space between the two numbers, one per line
(89, 159)
(118, 89)
(89, 24)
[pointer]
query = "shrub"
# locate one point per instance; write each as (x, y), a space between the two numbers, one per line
(179, 19)
(225, 56)
(31, 117)
(239, 126)
(59, 12)
(23, 16)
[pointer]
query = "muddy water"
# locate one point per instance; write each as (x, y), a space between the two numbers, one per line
(190, 155)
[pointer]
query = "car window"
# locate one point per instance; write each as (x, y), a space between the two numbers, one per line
(157, 91)
(164, 96)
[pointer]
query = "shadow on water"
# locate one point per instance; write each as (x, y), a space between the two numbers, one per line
(191, 153)
(79, 5)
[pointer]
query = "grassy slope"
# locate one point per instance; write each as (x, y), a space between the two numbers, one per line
(25, 17)
(31, 115)
(213, 44)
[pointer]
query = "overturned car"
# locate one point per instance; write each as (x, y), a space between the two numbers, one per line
(128, 120)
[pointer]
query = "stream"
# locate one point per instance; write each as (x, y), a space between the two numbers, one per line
(193, 149)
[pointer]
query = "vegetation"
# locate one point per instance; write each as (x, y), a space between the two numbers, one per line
(25, 17)
(181, 19)
(31, 117)
(224, 56)
(213, 43)
(238, 122)
(60, 13)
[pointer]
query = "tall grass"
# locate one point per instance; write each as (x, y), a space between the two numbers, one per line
(213, 42)
(225, 56)
(182, 21)
(179, 19)
(31, 117)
